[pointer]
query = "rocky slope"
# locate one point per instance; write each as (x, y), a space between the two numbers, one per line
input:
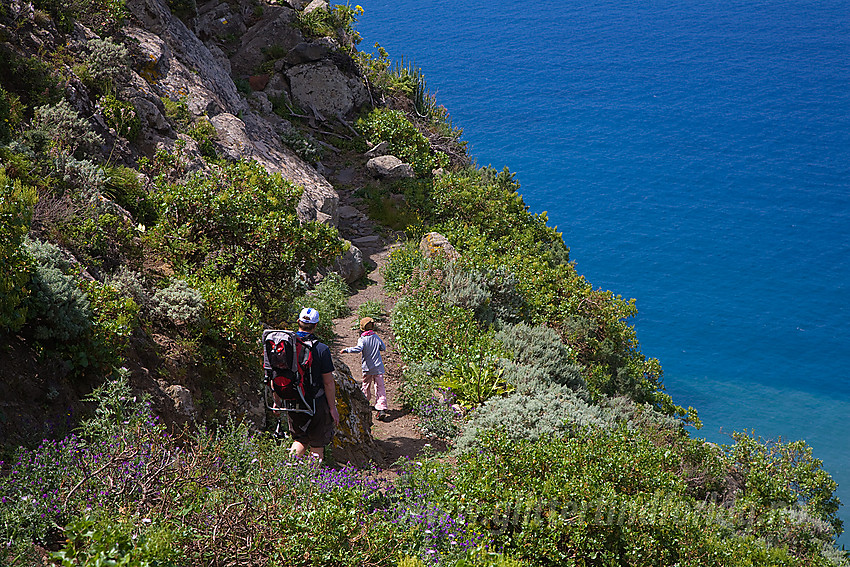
(233, 64)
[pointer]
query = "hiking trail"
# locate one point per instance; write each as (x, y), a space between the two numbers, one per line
(400, 435)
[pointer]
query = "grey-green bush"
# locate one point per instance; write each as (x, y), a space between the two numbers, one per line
(469, 290)
(538, 355)
(623, 409)
(85, 179)
(64, 129)
(547, 410)
(130, 283)
(507, 303)
(178, 303)
(108, 63)
(491, 294)
(48, 255)
(57, 309)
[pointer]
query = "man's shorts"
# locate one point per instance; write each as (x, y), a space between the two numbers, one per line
(319, 428)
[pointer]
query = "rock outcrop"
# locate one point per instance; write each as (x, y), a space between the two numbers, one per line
(353, 442)
(389, 167)
(170, 60)
(350, 264)
(435, 244)
(323, 88)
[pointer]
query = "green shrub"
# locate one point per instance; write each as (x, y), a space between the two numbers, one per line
(178, 303)
(427, 328)
(330, 298)
(403, 139)
(5, 117)
(784, 475)
(434, 406)
(230, 320)
(474, 382)
(332, 295)
(184, 9)
(177, 112)
(610, 498)
(98, 538)
(400, 266)
(104, 240)
(114, 317)
(337, 22)
(57, 310)
(238, 220)
(124, 186)
(121, 116)
(242, 85)
(203, 132)
(16, 208)
(370, 308)
(29, 78)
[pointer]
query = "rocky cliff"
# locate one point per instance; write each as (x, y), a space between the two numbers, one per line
(233, 65)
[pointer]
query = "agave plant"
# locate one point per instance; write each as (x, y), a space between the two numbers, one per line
(475, 382)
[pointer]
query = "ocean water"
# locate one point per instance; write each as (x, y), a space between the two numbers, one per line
(696, 156)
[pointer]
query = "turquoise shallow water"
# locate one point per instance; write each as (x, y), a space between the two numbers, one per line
(696, 157)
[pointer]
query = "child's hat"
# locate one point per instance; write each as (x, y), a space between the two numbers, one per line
(367, 324)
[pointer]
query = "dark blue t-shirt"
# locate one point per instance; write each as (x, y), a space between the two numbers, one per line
(324, 362)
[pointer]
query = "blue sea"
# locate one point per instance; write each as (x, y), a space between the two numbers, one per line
(696, 157)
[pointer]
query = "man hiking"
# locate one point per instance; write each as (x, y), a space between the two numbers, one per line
(315, 431)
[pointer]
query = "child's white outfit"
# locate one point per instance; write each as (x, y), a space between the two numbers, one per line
(370, 346)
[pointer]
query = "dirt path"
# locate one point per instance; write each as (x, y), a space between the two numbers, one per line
(400, 436)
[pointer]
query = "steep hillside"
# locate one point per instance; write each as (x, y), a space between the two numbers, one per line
(176, 177)
(106, 109)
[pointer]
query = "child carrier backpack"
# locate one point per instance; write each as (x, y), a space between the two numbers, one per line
(288, 364)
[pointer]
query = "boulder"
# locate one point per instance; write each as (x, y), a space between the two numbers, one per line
(348, 212)
(353, 442)
(175, 63)
(150, 115)
(389, 167)
(217, 20)
(322, 86)
(277, 87)
(370, 240)
(274, 29)
(232, 136)
(378, 149)
(258, 82)
(220, 56)
(435, 244)
(349, 265)
(316, 5)
(182, 398)
(260, 102)
(307, 52)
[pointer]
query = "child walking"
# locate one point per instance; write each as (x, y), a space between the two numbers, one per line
(370, 346)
